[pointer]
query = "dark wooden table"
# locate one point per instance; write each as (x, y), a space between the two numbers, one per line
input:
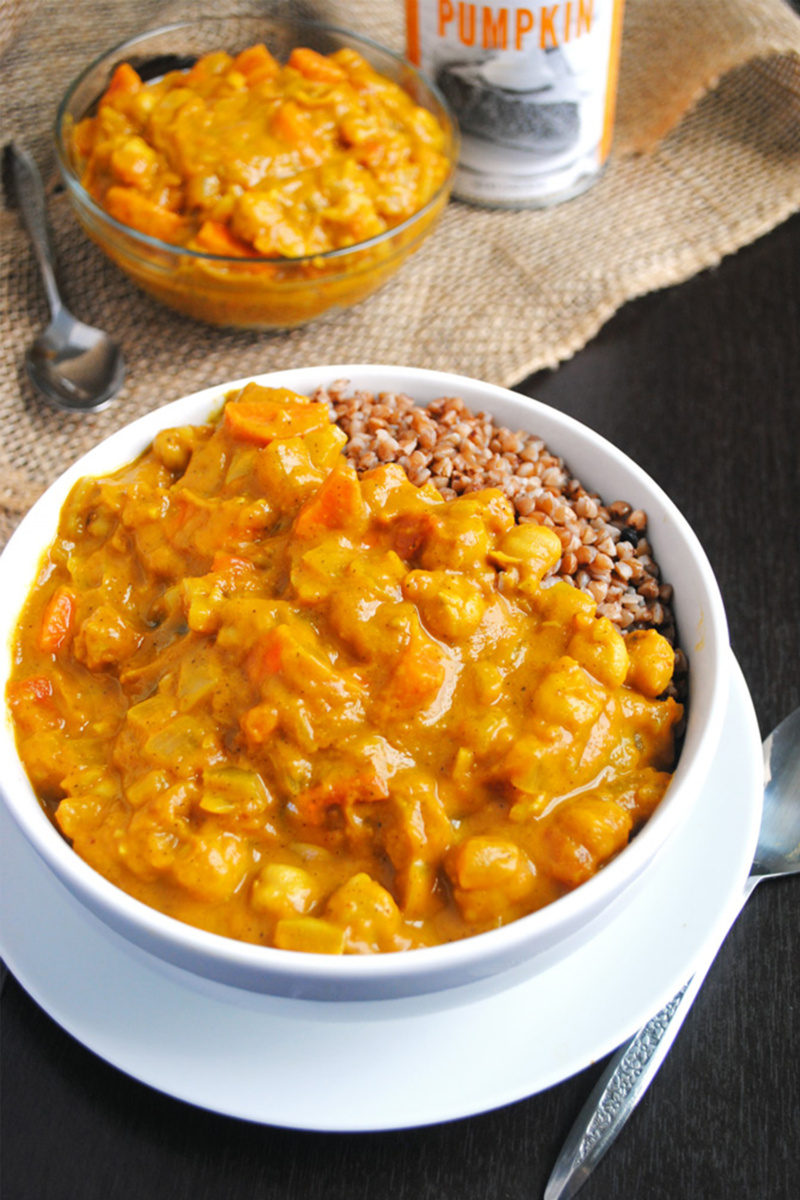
(701, 385)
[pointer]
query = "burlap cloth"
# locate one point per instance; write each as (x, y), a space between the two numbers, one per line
(706, 159)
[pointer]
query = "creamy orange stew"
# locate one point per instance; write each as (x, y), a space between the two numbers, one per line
(240, 156)
(322, 713)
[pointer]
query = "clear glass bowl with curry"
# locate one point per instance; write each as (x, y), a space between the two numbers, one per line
(255, 172)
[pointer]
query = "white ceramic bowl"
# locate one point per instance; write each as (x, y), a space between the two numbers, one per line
(534, 941)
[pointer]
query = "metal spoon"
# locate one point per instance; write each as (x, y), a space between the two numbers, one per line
(74, 366)
(634, 1066)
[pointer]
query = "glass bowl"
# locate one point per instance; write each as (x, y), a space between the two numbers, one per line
(252, 293)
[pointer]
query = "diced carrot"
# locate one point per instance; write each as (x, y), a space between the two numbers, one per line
(35, 689)
(291, 124)
(315, 66)
(266, 657)
(256, 64)
(124, 79)
(130, 207)
(261, 420)
(230, 564)
(57, 620)
(217, 238)
(31, 701)
(338, 504)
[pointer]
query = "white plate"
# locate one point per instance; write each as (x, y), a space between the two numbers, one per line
(391, 1064)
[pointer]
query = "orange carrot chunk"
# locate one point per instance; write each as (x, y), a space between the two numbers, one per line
(266, 657)
(36, 689)
(256, 64)
(32, 703)
(315, 66)
(124, 79)
(217, 238)
(233, 565)
(57, 620)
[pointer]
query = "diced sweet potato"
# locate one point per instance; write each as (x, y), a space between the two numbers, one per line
(418, 675)
(130, 207)
(341, 790)
(293, 706)
(261, 414)
(291, 124)
(337, 505)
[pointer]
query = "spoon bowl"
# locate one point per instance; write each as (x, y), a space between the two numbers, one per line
(74, 366)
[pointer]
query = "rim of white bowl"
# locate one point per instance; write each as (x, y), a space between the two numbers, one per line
(19, 564)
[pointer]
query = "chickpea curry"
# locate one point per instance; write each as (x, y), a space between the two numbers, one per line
(244, 157)
(327, 713)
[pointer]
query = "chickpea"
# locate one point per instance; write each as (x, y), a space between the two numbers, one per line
(652, 660)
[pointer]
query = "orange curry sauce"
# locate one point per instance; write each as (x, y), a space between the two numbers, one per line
(322, 713)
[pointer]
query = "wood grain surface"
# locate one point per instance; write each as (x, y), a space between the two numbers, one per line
(701, 385)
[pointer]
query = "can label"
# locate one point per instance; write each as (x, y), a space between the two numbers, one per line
(533, 87)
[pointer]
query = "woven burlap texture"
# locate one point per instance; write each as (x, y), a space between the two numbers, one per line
(706, 159)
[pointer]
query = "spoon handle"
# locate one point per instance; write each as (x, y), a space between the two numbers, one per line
(617, 1092)
(625, 1080)
(29, 195)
